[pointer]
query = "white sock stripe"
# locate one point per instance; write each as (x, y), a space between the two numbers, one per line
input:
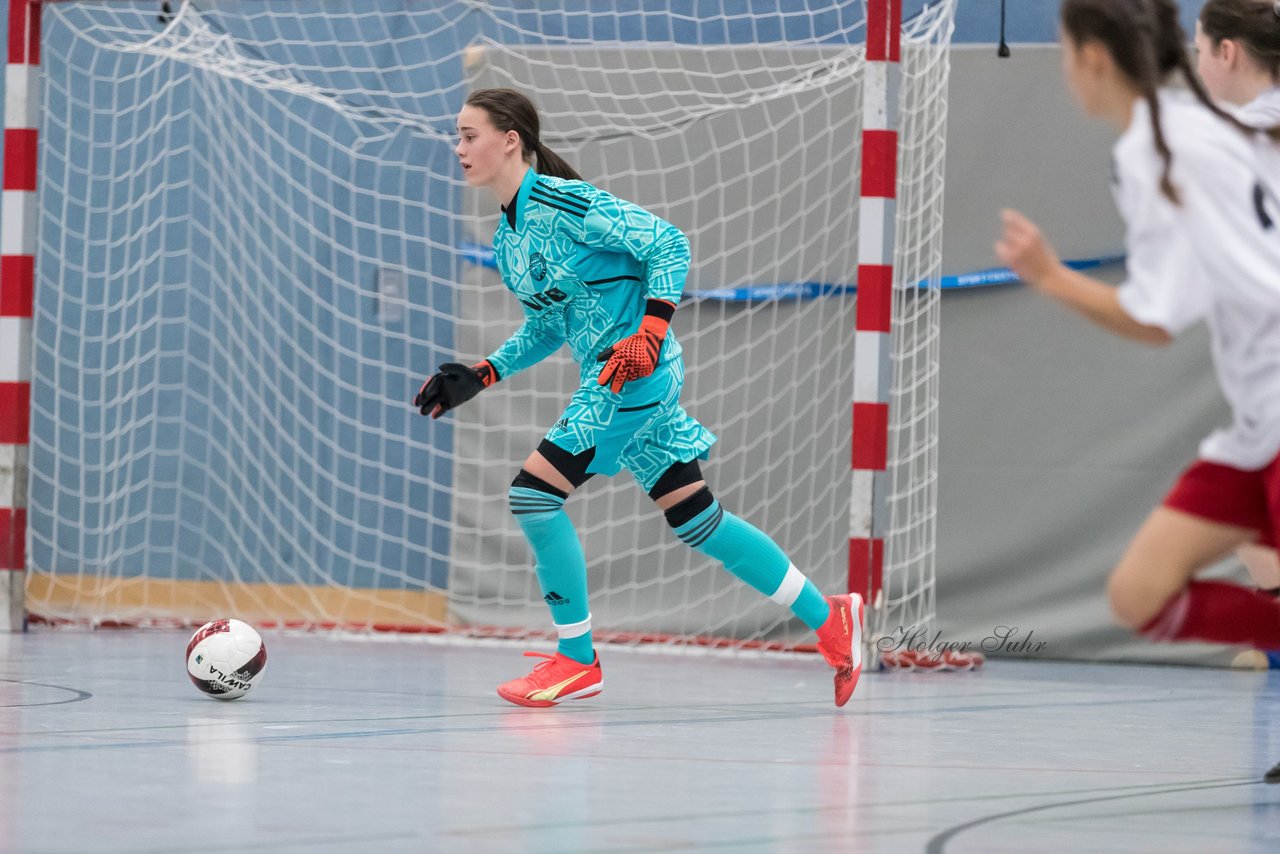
(574, 630)
(789, 590)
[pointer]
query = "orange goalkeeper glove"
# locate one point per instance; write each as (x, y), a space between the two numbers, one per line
(635, 356)
(453, 385)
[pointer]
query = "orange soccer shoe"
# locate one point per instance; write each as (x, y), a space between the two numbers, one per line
(840, 642)
(552, 681)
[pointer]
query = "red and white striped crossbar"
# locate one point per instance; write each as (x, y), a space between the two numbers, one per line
(872, 367)
(17, 281)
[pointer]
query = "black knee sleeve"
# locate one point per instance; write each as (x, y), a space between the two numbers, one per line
(687, 510)
(680, 474)
(528, 481)
(572, 466)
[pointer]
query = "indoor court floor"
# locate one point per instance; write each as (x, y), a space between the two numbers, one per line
(402, 745)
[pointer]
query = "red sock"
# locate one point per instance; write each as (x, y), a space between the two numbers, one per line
(1220, 612)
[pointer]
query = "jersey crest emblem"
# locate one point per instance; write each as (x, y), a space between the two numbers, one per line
(537, 266)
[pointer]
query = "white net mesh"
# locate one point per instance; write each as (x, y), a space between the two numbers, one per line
(255, 241)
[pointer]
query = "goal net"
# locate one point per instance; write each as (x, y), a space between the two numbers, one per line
(255, 242)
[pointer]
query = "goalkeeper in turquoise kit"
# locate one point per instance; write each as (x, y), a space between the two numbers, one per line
(605, 276)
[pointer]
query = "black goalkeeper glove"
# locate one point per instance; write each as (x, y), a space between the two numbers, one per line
(453, 385)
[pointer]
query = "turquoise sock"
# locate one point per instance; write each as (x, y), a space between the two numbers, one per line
(560, 565)
(751, 555)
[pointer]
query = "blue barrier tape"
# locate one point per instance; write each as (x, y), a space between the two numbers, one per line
(481, 255)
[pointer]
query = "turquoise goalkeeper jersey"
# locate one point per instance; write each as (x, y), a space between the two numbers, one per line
(582, 262)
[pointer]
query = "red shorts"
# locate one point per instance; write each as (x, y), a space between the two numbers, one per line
(1231, 496)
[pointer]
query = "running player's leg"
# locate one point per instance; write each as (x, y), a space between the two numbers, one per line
(1212, 511)
(1261, 558)
(662, 454)
(747, 552)
(752, 556)
(537, 497)
(1263, 565)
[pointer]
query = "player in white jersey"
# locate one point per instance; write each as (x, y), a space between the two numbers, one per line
(1203, 244)
(1238, 57)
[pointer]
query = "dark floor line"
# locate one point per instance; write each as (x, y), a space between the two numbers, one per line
(80, 695)
(812, 711)
(937, 845)
(506, 727)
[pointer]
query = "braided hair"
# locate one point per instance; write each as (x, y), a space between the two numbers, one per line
(1147, 43)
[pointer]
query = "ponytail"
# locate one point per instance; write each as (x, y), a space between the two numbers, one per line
(1141, 50)
(1150, 93)
(550, 163)
(1147, 43)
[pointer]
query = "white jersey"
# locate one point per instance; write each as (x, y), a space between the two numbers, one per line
(1263, 111)
(1215, 257)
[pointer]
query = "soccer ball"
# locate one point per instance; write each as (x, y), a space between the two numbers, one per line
(225, 658)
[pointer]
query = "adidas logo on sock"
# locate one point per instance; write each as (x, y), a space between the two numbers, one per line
(554, 598)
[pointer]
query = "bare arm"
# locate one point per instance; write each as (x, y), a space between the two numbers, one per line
(1025, 251)
(1098, 302)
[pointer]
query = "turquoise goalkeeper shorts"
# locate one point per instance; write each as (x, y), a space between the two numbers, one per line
(644, 430)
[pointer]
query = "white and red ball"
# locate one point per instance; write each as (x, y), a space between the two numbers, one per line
(225, 658)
